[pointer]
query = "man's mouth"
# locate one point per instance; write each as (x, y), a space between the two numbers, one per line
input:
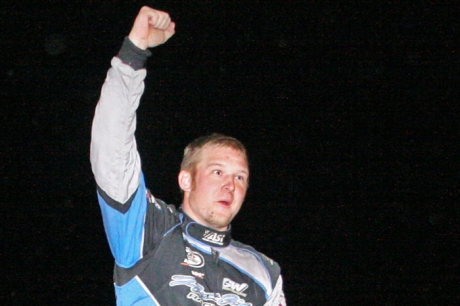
(224, 202)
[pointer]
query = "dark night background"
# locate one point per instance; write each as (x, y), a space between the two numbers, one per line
(349, 112)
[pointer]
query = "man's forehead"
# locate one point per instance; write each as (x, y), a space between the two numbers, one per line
(223, 154)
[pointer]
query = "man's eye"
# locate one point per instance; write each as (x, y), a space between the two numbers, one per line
(240, 177)
(218, 172)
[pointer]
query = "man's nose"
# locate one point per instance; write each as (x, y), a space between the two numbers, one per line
(229, 183)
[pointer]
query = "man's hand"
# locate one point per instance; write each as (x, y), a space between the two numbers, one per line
(151, 28)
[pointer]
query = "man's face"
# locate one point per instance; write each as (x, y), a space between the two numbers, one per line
(218, 187)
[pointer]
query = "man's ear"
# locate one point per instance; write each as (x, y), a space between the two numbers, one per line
(185, 180)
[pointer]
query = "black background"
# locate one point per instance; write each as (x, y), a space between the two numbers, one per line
(349, 112)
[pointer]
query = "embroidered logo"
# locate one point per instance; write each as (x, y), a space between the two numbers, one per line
(194, 259)
(234, 287)
(199, 295)
(214, 237)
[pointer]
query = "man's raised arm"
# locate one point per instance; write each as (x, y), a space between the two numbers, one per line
(114, 158)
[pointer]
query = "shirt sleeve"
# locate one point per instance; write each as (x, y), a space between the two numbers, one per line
(114, 158)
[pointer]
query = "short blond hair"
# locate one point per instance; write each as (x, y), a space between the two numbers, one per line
(192, 152)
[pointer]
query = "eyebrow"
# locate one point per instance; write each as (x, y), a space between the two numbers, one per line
(223, 165)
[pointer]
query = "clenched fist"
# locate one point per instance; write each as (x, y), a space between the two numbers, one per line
(151, 28)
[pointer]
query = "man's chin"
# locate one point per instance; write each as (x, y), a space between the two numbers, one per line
(220, 223)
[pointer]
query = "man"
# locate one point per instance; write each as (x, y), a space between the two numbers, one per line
(165, 256)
